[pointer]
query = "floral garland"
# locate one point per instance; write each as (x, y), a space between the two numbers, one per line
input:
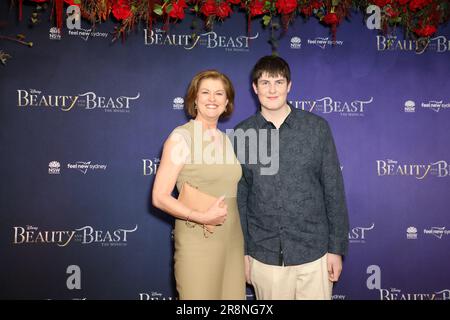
(419, 18)
(422, 17)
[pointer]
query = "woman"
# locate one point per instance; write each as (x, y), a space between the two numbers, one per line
(207, 265)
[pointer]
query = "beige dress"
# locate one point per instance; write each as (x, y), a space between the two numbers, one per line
(210, 267)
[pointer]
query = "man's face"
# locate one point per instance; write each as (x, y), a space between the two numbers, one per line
(272, 91)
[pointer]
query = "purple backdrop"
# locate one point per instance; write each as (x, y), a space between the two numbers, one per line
(82, 122)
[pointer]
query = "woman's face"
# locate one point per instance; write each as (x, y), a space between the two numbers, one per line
(211, 99)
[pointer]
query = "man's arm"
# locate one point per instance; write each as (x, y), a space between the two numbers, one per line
(242, 195)
(242, 198)
(334, 195)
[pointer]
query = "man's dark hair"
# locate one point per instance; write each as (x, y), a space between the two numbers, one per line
(273, 66)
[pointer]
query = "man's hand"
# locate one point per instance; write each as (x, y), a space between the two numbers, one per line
(247, 269)
(334, 266)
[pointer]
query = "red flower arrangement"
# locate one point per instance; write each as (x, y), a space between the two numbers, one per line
(420, 18)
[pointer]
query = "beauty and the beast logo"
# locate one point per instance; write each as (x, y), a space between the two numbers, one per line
(33, 98)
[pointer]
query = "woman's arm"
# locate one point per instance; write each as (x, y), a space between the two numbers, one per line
(173, 159)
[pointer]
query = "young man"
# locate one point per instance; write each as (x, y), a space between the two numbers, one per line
(294, 220)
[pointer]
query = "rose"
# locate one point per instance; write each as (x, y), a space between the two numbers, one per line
(381, 3)
(182, 4)
(331, 18)
(316, 5)
(426, 31)
(177, 11)
(234, 1)
(121, 9)
(223, 10)
(209, 8)
(256, 8)
(72, 2)
(392, 13)
(286, 6)
(415, 5)
(307, 11)
(402, 2)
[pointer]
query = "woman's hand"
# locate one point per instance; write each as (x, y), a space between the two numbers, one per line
(216, 214)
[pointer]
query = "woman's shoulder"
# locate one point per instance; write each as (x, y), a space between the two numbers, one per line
(182, 131)
(186, 126)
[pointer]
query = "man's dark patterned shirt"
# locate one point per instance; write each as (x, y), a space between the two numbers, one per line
(298, 214)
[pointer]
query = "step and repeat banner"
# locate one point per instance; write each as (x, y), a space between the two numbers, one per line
(83, 120)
